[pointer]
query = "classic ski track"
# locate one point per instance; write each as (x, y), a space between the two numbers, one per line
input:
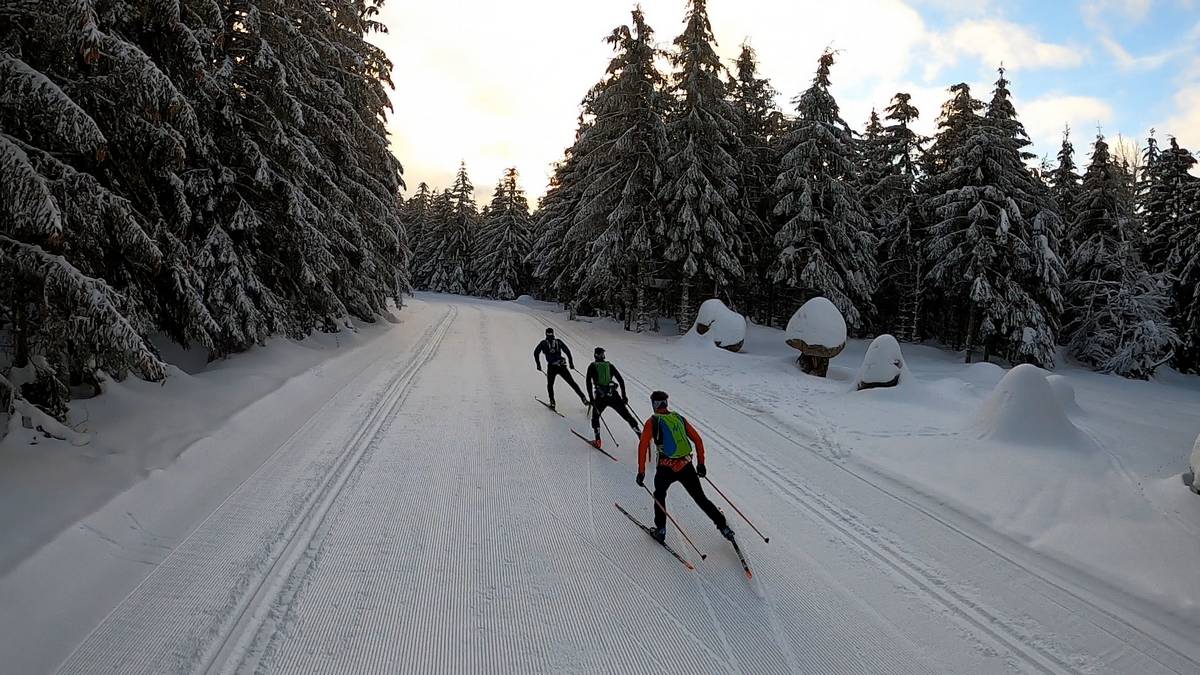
(93, 650)
(899, 562)
(259, 617)
(1134, 636)
(65, 665)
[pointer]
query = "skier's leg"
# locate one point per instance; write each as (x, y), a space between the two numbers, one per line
(691, 483)
(663, 477)
(598, 407)
(566, 375)
(551, 373)
(623, 410)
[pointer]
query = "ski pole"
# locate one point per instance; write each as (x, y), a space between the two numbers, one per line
(610, 433)
(664, 509)
(765, 538)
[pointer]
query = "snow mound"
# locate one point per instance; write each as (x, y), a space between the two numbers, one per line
(883, 365)
(725, 327)
(1024, 409)
(817, 328)
(526, 300)
(1065, 391)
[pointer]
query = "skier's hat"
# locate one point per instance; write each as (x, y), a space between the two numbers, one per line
(549, 332)
(599, 353)
(658, 399)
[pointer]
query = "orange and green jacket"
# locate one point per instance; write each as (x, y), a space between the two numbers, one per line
(653, 427)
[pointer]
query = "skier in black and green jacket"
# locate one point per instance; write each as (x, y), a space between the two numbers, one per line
(606, 388)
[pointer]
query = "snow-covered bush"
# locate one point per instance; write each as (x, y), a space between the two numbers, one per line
(1024, 409)
(883, 365)
(818, 330)
(725, 327)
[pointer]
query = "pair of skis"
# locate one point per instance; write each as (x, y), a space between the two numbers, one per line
(579, 435)
(737, 549)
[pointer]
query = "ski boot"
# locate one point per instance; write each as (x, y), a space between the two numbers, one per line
(727, 533)
(597, 442)
(553, 405)
(660, 535)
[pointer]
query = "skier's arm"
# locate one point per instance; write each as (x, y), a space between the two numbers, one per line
(567, 350)
(621, 381)
(537, 354)
(696, 441)
(644, 444)
(591, 377)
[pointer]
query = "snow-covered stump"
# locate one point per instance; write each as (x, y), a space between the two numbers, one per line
(725, 327)
(1189, 478)
(882, 366)
(818, 331)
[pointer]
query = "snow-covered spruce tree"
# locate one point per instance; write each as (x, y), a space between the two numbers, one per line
(440, 265)
(461, 240)
(1064, 180)
(416, 215)
(1166, 201)
(990, 252)
(700, 233)
(825, 241)
(1116, 309)
(505, 235)
(759, 123)
(621, 179)
(890, 195)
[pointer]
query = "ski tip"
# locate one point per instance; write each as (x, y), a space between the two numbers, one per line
(749, 574)
(690, 566)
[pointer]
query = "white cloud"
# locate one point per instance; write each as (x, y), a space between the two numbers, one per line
(1133, 10)
(1046, 116)
(1127, 61)
(995, 41)
(1185, 123)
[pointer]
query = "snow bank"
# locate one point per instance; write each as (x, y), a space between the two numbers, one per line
(725, 327)
(817, 328)
(1024, 409)
(883, 365)
(526, 300)
(1065, 391)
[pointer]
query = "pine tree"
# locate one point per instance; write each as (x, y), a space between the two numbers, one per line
(621, 177)
(1064, 180)
(890, 194)
(1166, 200)
(826, 244)
(700, 233)
(462, 237)
(990, 253)
(506, 232)
(759, 124)
(1116, 308)
(417, 215)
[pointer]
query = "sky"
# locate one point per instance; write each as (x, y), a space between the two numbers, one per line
(498, 84)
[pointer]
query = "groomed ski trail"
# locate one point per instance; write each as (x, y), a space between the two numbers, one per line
(444, 523)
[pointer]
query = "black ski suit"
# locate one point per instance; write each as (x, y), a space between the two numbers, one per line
(605, 394)
(557, 357)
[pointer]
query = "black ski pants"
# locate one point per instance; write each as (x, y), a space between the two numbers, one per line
(664, 477)
(554, 370)
(600, 403)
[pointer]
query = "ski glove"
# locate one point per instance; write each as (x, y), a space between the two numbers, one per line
(641, 479)
(701, 471)
(624, 399)
(539, 367)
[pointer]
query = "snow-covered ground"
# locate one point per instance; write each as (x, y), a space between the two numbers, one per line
(405, 505)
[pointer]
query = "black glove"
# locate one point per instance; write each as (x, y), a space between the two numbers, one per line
(572, 365)
(624, 399)
(701, 471)
(641, 479)
(539, 367)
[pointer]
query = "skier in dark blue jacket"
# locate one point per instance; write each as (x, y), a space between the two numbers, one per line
(557, 358)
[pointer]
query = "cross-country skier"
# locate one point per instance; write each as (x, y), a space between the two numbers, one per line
(673, 437)
(557, 358)
(602, 387)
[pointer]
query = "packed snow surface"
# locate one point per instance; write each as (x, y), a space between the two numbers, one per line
(818, 323)
(883, 364)
(1023, 408)
(1065, 391)
(404, 505)
(725, 327)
